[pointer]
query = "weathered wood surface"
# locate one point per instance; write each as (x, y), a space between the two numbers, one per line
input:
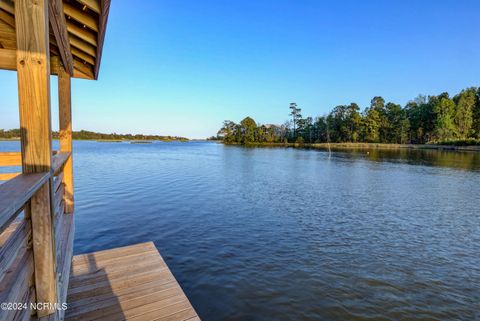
(127, 283)
(59, 160)
(15, 285)
(65, 122)
(66, 233)
(33, 74)
(16, 192)
(15, 243)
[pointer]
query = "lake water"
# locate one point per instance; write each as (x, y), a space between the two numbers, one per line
(289, 234)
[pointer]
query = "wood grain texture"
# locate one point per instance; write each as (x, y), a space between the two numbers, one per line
(65, 124)
(64, 254)
(59, 27)
(33, 71)
(15, 286)
(44, 249)
(16, 244)
(16, 192)
(127, 283)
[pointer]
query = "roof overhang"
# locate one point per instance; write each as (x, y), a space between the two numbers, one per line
(77, 33)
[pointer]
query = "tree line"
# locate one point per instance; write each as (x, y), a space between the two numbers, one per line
(433, 119)
(88, 135)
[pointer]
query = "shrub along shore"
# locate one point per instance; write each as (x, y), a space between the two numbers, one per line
(366, 146)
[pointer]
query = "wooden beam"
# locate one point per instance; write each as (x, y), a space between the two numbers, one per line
(8, 61)
(59, 26)
(65, 122)
(105, 7)
(80, 16)
(33, 71)
(91, 4)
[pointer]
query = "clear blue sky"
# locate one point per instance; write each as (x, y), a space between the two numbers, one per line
(181, 67)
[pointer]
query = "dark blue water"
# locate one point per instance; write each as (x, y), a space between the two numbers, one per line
(286, 234)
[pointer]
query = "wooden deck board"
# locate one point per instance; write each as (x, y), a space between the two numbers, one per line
(127, 283)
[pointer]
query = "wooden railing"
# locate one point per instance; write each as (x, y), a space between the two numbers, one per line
(17, 265)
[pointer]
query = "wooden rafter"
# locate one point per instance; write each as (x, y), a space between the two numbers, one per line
(59, 26)
(82, 56)
(8, 37)
(82, 33)
(83, 46)
(91, 4)
(7, 18)
(7, 6)
(81, 16)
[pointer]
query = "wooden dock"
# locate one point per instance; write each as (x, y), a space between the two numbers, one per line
(127, 283)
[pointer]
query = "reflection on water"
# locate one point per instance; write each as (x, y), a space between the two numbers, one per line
(443, 158)
(286, 234)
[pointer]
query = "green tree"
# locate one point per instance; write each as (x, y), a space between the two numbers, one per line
(354, 122)
(444, 109)
(228, 131)
(371, 125)
(465, 106)
(248, 129)
(476, 116)
(398, 124)
(295, 112)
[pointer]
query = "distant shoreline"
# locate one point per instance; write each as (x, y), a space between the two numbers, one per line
(340, 146)
(108, 140)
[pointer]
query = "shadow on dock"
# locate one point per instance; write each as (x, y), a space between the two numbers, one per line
(128, 283)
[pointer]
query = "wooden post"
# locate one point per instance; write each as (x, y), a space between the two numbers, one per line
(33, 71)
(65, 113)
